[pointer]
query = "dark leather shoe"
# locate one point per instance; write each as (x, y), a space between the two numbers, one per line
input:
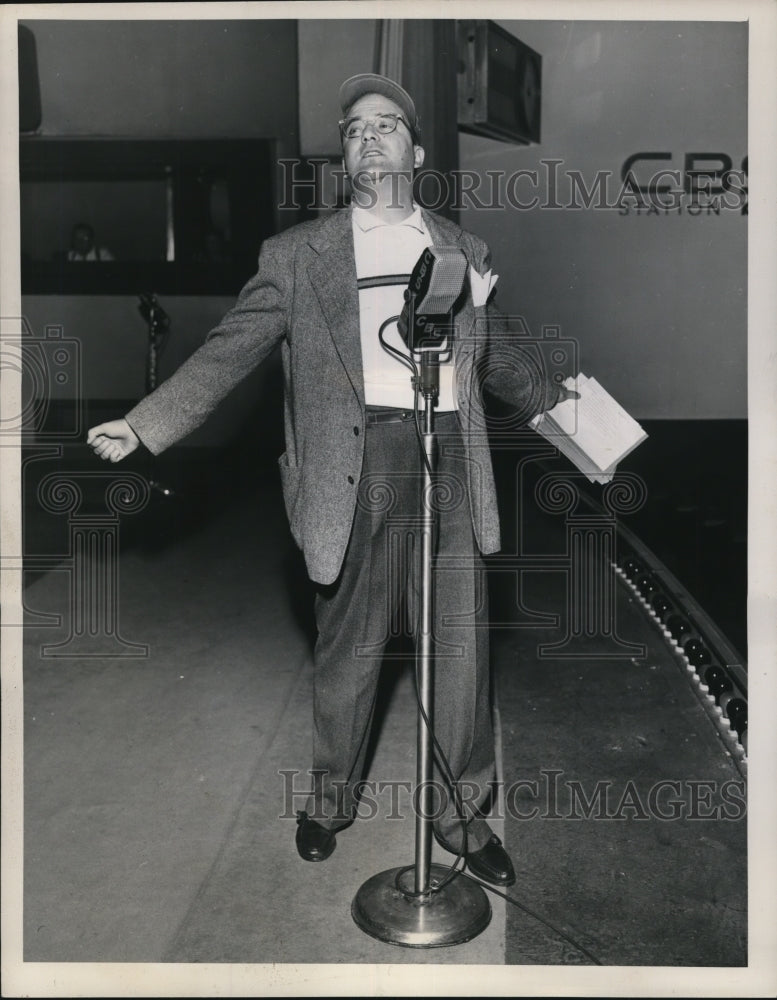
(491, 863)
(314, 842)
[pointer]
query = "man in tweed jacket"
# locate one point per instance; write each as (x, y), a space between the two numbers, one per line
(339, 447)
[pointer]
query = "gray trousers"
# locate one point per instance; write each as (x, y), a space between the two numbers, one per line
(358, 614)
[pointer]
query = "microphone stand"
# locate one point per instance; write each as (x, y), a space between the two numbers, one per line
(421, 912)
(158, 324)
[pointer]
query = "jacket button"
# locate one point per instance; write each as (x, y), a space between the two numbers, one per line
(350, 480)
(356, 431)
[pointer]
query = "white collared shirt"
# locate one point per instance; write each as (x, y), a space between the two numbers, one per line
(390, 251)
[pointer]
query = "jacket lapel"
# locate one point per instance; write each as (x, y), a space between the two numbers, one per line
(333, 276)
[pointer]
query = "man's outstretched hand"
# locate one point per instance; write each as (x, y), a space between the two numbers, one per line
(113, 440)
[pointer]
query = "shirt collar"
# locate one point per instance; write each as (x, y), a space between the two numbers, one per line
(366, 220)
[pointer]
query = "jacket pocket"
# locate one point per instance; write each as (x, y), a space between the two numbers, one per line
(291, 482)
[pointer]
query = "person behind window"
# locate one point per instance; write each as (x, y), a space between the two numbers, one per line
(83, 245)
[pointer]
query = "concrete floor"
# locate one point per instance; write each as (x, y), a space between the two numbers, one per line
(153, 789)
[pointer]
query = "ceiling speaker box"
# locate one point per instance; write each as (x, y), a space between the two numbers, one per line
(499, 84)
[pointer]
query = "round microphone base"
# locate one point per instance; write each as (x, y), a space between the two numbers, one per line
(455, 914)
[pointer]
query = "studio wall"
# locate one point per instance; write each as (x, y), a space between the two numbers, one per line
(656, 302)
(168, 79)
(160, 79)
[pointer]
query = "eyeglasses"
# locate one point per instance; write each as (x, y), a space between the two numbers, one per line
(352, 128)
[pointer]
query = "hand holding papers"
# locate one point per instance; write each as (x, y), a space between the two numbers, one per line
(594, 431)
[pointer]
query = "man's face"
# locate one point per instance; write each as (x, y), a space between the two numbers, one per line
(377, 154)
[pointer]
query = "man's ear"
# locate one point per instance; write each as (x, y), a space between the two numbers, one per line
(418, 156)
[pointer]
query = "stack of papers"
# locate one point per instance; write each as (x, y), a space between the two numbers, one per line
(594, 432)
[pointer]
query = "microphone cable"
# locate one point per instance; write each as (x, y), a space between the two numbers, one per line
(442, 762)
(439, 755)
(532, 913)
(405, 359)
(454, 870)
(408, 361)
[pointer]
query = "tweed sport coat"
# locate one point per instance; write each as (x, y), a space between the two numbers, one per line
(304, 295)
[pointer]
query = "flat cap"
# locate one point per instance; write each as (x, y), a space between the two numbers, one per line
(373, 83)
